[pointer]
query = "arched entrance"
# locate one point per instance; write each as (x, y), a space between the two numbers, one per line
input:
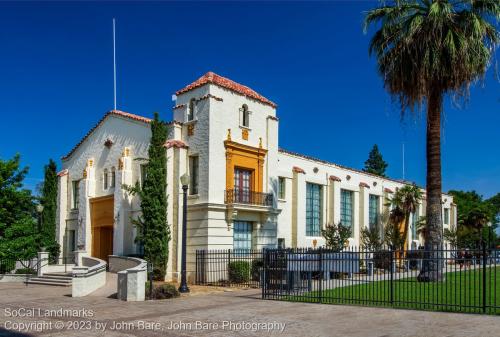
(102, 220)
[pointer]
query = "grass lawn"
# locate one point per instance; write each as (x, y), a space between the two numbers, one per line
(461, 291)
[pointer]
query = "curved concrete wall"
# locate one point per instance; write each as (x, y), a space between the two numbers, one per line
(89, 277)
(132, 274)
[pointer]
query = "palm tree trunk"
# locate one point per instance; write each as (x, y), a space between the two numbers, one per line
(405, 232)
(431, 268)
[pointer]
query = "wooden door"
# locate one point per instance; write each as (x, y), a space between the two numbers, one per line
(102, 227)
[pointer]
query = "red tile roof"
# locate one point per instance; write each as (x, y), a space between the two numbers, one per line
(388, 190)
(224, 82)
(109, 113)
(175, 143)
(363, 184)
(334, 178)
(62, 173)
(298, 169)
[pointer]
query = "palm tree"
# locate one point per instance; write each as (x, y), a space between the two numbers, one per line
(404, 202)
(426, 49)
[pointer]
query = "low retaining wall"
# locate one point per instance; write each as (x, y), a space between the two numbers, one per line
(132, 274)
(15, 277)
(89, 277)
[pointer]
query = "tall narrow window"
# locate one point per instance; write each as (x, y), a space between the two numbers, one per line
(191, 107)
(242, 235)
(313, 209)
(193, 173)
(143, 174)
(281, 188)
(113, 177)
(446, 216)
(373, 210)
(70, 242)
(346, 209)
(75, 185)
(242, 179)
(245, 120)
(105, 179)
(414, 222)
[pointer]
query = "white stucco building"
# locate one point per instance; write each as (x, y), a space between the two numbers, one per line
(245, 191)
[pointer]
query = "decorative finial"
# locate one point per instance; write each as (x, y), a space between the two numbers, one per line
(228, 134)
(85, 173)
(260, 142)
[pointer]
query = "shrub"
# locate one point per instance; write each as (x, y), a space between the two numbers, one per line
(6, 266)
(25, 271)
(239, 271)
(255, 269)
(414, 256)
(382, 259)
(162, 291)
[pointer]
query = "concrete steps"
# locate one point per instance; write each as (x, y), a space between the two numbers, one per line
(52, 279)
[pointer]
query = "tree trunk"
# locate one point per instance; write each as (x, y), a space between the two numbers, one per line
(431, 268)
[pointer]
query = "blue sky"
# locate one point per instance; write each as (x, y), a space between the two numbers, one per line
(310, 58)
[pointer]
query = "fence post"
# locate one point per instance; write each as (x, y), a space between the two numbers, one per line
(484, 277)
(229, 266)
(262, 278)
(392, 275)
(320, 274)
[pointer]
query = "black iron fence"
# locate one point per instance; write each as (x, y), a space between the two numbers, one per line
(15, 266)
(460, 281)
(243, 196)
(229, 267)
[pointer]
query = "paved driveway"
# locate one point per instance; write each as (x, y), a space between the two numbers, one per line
(237, 313)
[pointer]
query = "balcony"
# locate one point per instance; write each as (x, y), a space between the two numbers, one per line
(248, 198)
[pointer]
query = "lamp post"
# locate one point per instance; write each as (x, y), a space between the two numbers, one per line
(39, 210)
(184, 182)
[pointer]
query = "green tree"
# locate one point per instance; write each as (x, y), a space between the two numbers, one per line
(336, 236)
(370, 238)
(426, 49)
(49, 201)
(17, 213)
(474, 214)
(404, 202)
(154, 232)
(375, 163)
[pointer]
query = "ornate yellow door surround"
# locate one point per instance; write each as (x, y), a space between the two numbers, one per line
(245, 157)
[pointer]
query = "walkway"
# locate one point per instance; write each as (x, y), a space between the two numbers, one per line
(186, 314)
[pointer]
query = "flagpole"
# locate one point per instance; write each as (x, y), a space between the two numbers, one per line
(114, 64)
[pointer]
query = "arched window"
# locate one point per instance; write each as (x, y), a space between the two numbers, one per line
(105, 179)
(245, 116)
(190, 115)
(113, 177)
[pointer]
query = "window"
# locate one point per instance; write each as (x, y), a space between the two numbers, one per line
(242, 180)
(143, 169)
(414, 221)
(76, 193)
(192, 104)
(281, 188)
(446, 216)
(242, 235)
(245, 114)
(71, 242)
(113, 177)
(346, 209)
(313, 209)
(193, 173)
(105, 179)
(373, 211)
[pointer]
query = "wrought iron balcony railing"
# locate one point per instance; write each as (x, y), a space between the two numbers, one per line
(247, 197)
